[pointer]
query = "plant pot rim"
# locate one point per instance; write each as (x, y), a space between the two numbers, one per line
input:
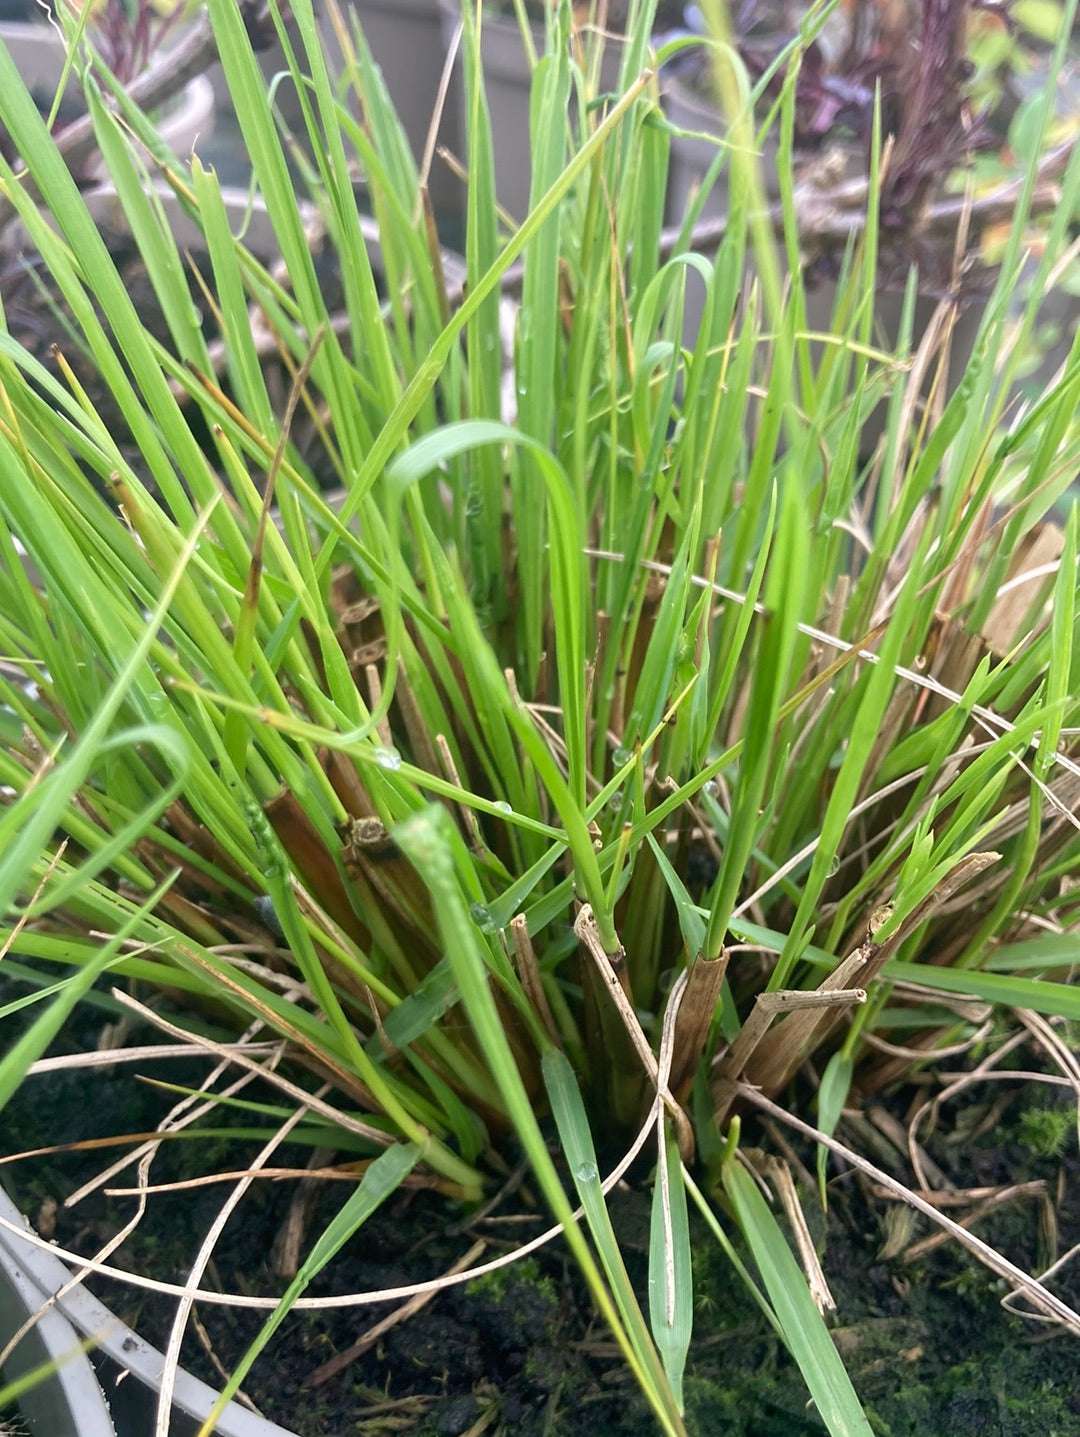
(44, 1276)
(69, 1402)
(103, 195)
(237, 201)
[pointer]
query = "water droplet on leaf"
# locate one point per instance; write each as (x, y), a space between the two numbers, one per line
(483, 918)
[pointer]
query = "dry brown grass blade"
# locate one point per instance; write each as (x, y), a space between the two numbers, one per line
(149, 1052)
(171, 1364)
(24, 916)
(1008, 1302)
(285, 1254)
(848, 653)
(1035, 558)
(216, 1298)
(318, 1105)
(250, 602)
(319, 1174)
(586, 930)
(928, 1049)
(1058, 1051)
(315, 865)
(528, 970)
(898, 1135)
(768, 1006)
(778, 1057)
(961, 1197)
(704, 981)
(182, 1115)
(1041, 1297)
(205, 1341)
(779, 1174)
(469, 816)
(276, 1022)
(926, 1245)
(420, 745)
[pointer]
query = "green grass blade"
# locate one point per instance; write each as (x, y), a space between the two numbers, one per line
(381, 1180)
(803, 1326)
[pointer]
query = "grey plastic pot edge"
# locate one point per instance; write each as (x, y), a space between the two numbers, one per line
(408, 43)
(69, 1402)
(78, 1398)
(508, 85)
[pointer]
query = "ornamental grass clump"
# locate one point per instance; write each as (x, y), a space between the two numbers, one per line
(624, 745)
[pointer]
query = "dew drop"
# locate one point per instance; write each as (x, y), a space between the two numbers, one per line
(388, 758)
(586, 1172)
(621, 756)
(711, 789)
(503, 806)
(483, 918)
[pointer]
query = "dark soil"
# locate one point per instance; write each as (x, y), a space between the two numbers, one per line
(929, 1348)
